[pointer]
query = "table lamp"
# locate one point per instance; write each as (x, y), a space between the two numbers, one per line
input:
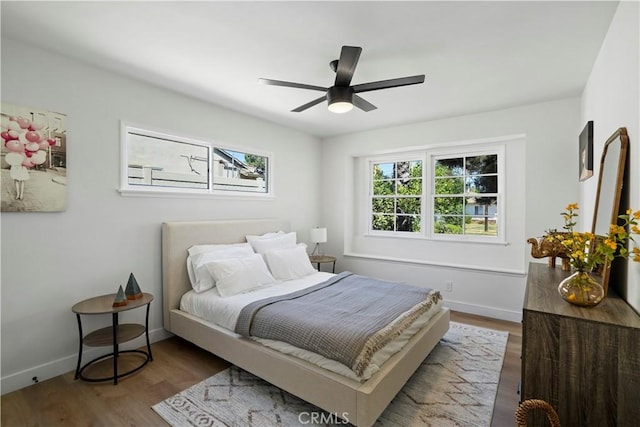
(318, 235)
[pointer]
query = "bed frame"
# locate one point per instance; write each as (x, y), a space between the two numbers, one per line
(361, 403)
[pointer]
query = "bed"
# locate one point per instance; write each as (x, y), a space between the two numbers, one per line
(336, 394)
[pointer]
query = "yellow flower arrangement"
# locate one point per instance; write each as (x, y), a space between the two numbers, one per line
(585, 253)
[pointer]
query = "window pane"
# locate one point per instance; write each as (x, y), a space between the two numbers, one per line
(382, 222)
(448, 205)
(410, 186)
(408, 223)
(382, 205)
(403, 170)
(408, 205)
(161, 162)
(482, 164)
(449, 167)
(481, 227)
(481, 218)
(482, 184)
(486, 205)
(447, 224)
(383, 171)
(416, 169)
(383, 188)
(238, 171)
(449, 185)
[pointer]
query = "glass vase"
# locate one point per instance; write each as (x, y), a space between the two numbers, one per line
(581, 289)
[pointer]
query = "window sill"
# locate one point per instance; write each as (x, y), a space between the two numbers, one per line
(467, 267)
(413, 236)
(126, 192)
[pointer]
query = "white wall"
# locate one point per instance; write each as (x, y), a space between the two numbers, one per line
(550, 182)
(611, 99)
(52, 260)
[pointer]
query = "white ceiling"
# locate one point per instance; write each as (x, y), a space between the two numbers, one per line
(477, 56)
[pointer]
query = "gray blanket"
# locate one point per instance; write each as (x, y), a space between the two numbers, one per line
(347, 318)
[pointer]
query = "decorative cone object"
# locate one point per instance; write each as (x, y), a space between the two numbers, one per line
(133, 290)
(120, 299)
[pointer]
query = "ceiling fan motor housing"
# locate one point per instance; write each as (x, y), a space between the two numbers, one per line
(339, 94)
(340, 99)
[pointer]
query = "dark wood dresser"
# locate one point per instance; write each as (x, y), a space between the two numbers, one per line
(584, 361)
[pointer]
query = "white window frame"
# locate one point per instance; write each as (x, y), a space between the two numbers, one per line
(127, 189)
(468, 151)
(399, 157)
(428, 155)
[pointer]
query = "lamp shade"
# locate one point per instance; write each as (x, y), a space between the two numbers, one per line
(318, 235)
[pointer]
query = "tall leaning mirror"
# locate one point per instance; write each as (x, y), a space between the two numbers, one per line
(609, 189)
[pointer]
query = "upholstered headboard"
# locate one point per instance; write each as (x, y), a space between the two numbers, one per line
(179, 236)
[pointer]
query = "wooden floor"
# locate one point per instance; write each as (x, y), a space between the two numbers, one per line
(177, 364)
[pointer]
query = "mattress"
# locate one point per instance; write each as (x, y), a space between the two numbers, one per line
(224, 312)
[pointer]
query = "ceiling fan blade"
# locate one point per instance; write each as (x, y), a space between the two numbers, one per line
(386, 84)
(347, 65)
(309, 104)
(363, 104)
(291, 84)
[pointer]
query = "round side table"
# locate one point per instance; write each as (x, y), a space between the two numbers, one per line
(113, 335)
(321, 259)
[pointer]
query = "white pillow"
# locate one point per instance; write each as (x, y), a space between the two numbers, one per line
(281, 241)
(198, 249)
(199, 255)
(288, 264)
(251, 238)
(237, 275)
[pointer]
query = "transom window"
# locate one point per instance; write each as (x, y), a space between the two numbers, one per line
(158, 162)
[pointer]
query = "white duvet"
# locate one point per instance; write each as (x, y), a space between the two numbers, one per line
(224, 311)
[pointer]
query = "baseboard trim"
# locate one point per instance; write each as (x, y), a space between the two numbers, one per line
(66, 364)
(493, 312)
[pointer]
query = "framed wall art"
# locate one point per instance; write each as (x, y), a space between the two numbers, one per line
(33, 159)
(585, 158)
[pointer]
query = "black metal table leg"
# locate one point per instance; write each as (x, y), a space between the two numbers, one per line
(115, 348)
(80, 349)
(146, 331)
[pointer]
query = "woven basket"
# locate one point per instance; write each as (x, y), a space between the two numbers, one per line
(531, 404)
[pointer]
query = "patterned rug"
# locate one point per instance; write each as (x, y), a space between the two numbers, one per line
(456, 385)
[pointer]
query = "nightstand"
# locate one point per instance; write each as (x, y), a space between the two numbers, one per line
(322, 259)
(113, 335)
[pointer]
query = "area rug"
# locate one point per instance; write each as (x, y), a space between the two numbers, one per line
(456, 385)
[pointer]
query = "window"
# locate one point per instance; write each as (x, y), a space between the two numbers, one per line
(396, 196)
(465, 195)
(239, 171)
(458, 195)
(158, 162)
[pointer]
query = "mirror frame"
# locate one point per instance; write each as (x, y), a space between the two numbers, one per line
(620, 136)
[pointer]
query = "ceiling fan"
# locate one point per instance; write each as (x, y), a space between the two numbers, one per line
(341, 97)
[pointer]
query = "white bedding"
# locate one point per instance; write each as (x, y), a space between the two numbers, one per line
(224, 311)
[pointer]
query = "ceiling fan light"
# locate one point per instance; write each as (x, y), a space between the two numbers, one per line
(340, 99)
(340, 107)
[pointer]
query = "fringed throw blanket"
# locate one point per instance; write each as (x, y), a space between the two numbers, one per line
(347, 318)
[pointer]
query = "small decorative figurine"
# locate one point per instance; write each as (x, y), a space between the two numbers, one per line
(550, 246)
(133, 290)
(120, 299)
